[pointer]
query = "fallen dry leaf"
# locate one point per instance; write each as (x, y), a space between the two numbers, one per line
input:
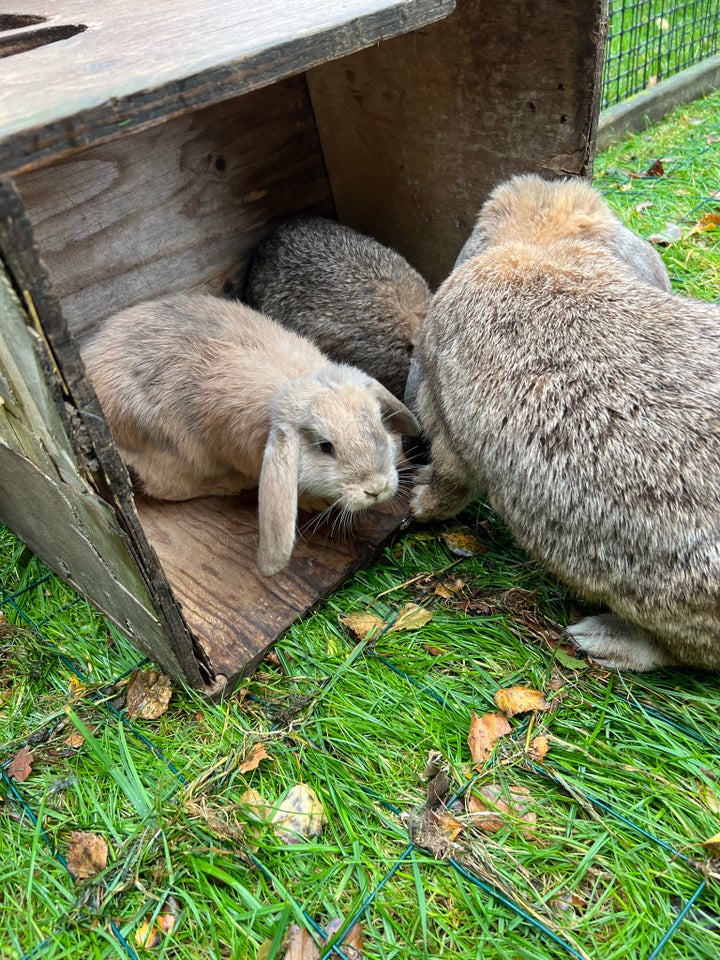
(148, 694)
(712, 845)
(655, 169)
(87, 854)
(20, 767)
(671, 234)
(150, 934)
(352, 943)
(257, 753)
(514, 700)
(299, 815)
(365, 626)
(257, 806)
(448, 588)
(484, 731)
(299, 945)
(463, 543)
(539, 747)
(493, 806)
(711, 221)
(434, 651)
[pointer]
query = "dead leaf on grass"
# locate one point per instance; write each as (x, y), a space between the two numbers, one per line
(20, 767)
(251, 762)
(710, 221)
(150, 934)
(514, 700)
(299, 815)
(539, 747)
(352, 942)
(494, 806)
(448, 588)
(87, 854)
(712, 845)
(463, 543)
(299, 945)
(367, 626)
(655, 169)
(148, 694)
(671, 234)
(256, 805)
(484, 731)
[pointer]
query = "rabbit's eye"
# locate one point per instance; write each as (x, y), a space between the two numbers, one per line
(327, 447)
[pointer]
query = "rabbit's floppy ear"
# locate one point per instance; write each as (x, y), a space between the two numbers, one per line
(394, 412)
(277, 499)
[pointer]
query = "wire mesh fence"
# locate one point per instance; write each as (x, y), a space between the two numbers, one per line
(651, 40)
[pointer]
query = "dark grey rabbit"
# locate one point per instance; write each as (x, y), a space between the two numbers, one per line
(360, 302)
(584, 403)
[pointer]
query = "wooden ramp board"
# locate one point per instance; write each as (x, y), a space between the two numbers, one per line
(207, 549)
(92, 71)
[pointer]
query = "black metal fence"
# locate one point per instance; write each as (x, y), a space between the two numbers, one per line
(650, 40)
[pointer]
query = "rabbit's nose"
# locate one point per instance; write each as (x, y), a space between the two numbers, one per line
(376, 490)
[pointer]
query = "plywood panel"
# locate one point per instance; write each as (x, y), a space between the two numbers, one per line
(207, 548)
(179, 207)
(108, 66)
(417, 130)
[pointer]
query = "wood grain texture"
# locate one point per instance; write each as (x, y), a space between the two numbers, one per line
(44, 500)
(72, 435)
(139, 63)
(416, 131)
(179, 207)
(207, 548)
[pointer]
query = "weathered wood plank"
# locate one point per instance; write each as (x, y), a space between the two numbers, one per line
(138, 63)
(43, 499)
(207, 548)
(177, 207)
(417, 130)
(78, 446)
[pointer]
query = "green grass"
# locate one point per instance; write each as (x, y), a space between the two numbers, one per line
(356, 723)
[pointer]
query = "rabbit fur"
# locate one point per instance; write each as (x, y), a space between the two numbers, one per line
(566, 208)
(206, 397)
(584, 403)
(357, 300)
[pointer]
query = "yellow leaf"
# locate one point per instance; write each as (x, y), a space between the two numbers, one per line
(463, 543)
(450, 826)
(494, 806)
(512, 700)
(484, 731)
(713, 845)
(711, 221)
(147, 935)
(299, 815)
(411, 617)
(365, 626)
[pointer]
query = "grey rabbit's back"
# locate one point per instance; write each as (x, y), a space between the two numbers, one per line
(586, 407)
(359, 301)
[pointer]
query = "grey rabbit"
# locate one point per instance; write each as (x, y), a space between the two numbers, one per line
(205, 397)
(357, 300)
(540, 210)
(584, 403)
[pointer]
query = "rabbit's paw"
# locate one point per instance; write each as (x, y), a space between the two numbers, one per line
(618, 645)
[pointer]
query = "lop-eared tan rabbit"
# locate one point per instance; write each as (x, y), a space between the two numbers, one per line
(357, 300)
(584, 403)
(204, 396)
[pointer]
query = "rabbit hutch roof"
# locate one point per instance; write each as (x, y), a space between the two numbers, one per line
(146, 149)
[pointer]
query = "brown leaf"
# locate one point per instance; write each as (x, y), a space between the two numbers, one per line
(148, 694)
(494, 806)
(365, 626)
(411, 617)
(450, 826)
(20, 766)
(448, 588)
(352, 943)
(712, 845)
(539, 747)
(434, 651)
(87, 854)
(299, 945)
(257, 806)
(299, 815)
(484, 731)
(655, 169)
(514, 700)
(257, 753)
(711, 221)
(463, 543)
